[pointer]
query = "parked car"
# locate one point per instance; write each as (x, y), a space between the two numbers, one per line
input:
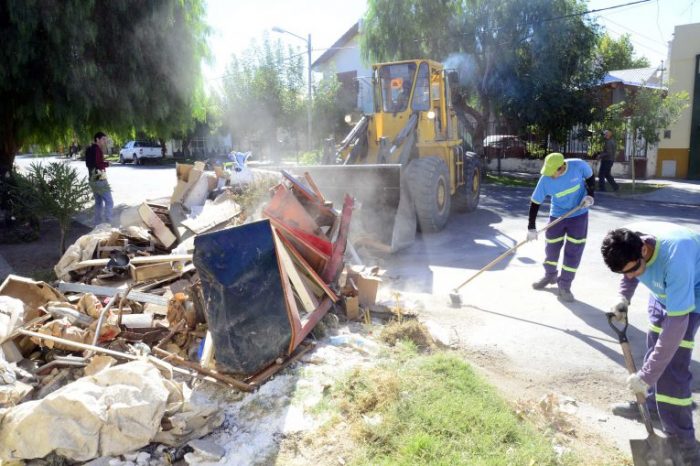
(138, 151)
(504, 145)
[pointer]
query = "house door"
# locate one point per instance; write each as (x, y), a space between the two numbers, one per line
(694, 153)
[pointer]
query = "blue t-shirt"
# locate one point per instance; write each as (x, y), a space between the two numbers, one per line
(566, 191)
(673, 271)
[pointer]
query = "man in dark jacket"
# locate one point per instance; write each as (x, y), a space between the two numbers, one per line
(607, 158)
(97, 171)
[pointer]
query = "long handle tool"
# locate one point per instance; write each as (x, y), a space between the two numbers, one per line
(654, 450)
(456, 299)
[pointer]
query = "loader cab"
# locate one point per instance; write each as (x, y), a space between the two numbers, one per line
(395, 83)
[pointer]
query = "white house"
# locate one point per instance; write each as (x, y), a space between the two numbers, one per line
(343, 58)
(679, 149)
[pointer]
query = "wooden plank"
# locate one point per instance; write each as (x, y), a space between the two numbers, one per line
(150, 271)
(274, 368)
(211, 375)
(310, 272)
(136, 261)
(111, 291)
(160, 231)
(312, 183)
(308, 300)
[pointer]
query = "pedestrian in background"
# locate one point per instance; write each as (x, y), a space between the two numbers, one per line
(666, 258)
(569, 183)
(607, 158)
(97, 172)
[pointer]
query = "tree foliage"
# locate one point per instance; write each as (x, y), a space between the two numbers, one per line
(330, 107)
(262, 93)
(619, 54)
(52, 190)
(83, 65)
(646, 112)
(531, 61)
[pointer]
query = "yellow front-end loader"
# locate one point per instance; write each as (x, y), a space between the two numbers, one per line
(406, 163)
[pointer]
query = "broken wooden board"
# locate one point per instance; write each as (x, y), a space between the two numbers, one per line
(309, 272)
(285, 208)
(140, 260)
(111, 291)
(160, 231)
(146, 272)
(308, 300)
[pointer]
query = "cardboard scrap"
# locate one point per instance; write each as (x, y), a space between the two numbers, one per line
(222, 210)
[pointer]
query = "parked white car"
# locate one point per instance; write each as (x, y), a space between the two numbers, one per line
(138, 151)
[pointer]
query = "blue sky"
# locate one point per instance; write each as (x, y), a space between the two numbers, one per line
(235, 22)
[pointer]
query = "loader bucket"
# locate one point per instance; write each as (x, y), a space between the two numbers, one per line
(384, 204)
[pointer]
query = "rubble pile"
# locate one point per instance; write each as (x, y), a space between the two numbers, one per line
(196, 287)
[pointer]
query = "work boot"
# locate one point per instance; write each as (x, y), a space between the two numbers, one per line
(544, 281)
(566, 295)
(630, 410)
(690, 454)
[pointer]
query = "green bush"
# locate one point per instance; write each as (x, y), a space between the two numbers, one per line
(310, 158)
(52, 190)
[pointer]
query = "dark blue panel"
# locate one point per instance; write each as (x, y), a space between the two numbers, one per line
(244, 299)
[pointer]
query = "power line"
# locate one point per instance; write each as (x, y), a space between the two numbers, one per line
(588, 12)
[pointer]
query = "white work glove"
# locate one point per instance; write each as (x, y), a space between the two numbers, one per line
(636, 384)
(620, 309)
(587, 201)
(531, 235)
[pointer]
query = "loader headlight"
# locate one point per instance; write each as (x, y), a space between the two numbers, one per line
(431, 115)
(348, 118)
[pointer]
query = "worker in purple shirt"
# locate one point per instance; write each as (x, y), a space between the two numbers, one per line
(666, 258)
(569, 183)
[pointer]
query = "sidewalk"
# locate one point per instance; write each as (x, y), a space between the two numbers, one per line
(683, 192)
(686, 192)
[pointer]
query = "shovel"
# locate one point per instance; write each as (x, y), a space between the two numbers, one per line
(456, 299)
(654, 450)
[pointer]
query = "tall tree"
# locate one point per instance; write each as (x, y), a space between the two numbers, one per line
(645, 112)
(531, 60)
(262, 93)
(88, 64)
(619, 54)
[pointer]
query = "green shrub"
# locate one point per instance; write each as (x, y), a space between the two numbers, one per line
(310, 158)
(53, 190)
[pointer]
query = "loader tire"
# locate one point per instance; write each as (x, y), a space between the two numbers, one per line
(429, 184)
(466, 198)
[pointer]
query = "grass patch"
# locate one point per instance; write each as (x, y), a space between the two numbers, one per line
(510, 180)
(407, 331)
(433, 409)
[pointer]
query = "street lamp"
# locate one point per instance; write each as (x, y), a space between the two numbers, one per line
(308, 53)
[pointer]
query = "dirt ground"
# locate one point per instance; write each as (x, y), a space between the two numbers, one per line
(36, 258)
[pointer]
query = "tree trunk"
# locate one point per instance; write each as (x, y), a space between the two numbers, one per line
(63, 239)
(8, 149)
